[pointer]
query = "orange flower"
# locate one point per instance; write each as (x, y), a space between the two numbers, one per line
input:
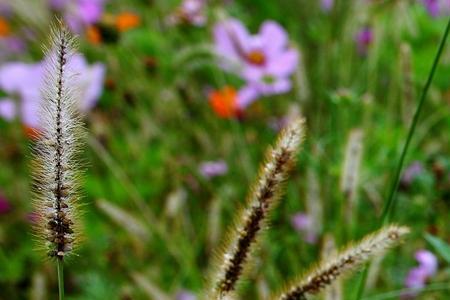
(224, 102)
(126, 21)
(31, 133)
(4, 27)
(93, 35)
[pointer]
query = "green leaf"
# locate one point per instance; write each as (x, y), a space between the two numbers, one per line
(440, 246)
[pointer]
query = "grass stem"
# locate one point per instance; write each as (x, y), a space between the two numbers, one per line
(389, 207)
(60, 267)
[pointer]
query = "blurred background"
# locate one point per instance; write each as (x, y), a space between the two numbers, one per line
(181, 99)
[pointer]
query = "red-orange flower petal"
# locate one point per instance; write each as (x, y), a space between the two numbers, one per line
(5, 30)
(126, 21)
(224, 102)
(93, 35)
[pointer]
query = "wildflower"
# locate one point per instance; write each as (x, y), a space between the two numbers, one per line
(126, 21)
(364, 39)
(79, 14)
(5, 30)
(327, 5)
(185, 295)
(417, 276)
(23, 81)
(7, 109)
(5, 206)
(303, 223)
(265, 61)
(224, 102)
(210, 169)
(189, 12)
(436, 8)
(411, 173)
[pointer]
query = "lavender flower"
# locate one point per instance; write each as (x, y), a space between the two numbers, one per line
(78, 14)
(436, 8)
(185, 295)
(23, 81)
(364, 39)
(417, 276)
(327, 5)
(5, 206)
(211, 169)
(303, 224)
(7, 109)
(264, 60)
(191, 12)
(411, 173)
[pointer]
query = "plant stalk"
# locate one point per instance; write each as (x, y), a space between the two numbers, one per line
(389, 207)
(60, 267)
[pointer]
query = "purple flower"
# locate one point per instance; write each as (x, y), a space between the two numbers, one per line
(23, 82)
(327, 5)
(5, 206)
(191, 12)
(364, 39)
(7, 109)
(79, 14)
(417, 276)
(185, 295)
(436, 8)
(211, 169)
(303, 224)
(411, 173)
(264, 60)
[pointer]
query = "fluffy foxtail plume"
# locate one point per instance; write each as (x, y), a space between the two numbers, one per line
(55, 166)
(260, 202)
(350, 170)
(345, 261)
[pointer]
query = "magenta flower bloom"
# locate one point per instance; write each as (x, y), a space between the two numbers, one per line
(418, 276)
(191, 12)
(22, 82)
(263, 60)
(78, 14)
(327, 5)
(364, 39)
(5, 206)
(303, 224)
(436, 8)
(210, 169)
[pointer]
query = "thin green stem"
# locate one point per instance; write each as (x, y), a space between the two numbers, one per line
(389, 207)
(60, 267)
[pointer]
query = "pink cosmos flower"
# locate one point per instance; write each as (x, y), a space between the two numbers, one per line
(78, 14)
(22, 82)
(210, 169)
(418, 276)
(436, 8)
(263, 60)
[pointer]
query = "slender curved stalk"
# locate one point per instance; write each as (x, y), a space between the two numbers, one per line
(60, 267)
(389, 207)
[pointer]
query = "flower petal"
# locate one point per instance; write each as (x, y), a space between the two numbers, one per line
(246, 96)
(274, 36)
(284, 64)
(279, 86)
(231, 38)
(7, 109)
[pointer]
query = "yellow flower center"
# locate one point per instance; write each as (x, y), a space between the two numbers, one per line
(256, 57)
